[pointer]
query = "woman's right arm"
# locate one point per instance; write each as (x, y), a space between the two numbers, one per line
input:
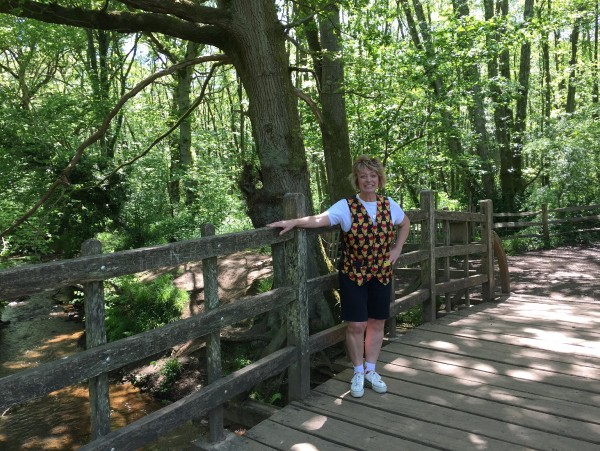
(306, 222)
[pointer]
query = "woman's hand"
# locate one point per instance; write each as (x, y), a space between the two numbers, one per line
(320, 220)
(286, 225)
(397, 248)
(395, 254)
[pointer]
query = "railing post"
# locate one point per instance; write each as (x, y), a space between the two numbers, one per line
(446, 264)
(213, 340)
(296, 252)
(95, 335)
(487, 239)
(391, 322)
(428, 267)
(545, 228)
(467, 240)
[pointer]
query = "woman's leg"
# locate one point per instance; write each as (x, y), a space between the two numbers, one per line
(374, 339)
(355, 341)
(373, 342)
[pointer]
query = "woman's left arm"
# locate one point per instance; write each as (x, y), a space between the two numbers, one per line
(402, 236)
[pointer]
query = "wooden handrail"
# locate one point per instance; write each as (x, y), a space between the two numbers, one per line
(546, 221)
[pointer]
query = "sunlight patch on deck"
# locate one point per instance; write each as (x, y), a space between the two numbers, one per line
(523, 374)
(478, 442)
(438, 344)
(315, 423)
(304, 447)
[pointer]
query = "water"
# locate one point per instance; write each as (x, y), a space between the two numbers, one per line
(39, 332)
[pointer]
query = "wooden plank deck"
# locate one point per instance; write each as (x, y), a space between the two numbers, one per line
(523, 373)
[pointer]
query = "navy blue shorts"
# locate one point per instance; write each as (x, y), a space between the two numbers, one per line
(369, 300)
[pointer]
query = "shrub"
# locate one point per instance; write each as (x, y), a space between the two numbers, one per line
(411, 318)
(170, 372)
(133, 306)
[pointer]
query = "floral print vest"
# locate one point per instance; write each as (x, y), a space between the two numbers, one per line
(366, 246)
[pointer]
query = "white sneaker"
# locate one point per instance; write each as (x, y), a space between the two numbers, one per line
(373, 380)
(357, 389)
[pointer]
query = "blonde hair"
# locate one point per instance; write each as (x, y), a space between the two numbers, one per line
(363, 163)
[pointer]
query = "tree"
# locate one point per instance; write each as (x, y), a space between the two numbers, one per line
(571, 89)
(181, 151)
(477, 114)
(249, 32)
(422, 38)
(520, 123)
(323, 37)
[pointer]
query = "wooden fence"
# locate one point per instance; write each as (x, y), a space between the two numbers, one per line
(548, 222)
(437, 236)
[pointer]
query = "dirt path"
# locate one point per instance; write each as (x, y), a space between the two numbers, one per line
(563, 273)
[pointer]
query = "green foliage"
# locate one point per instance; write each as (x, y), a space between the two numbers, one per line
(265, 284)
(411, 318)
(520, 245)
(133, 307)
(276, 399)
(170, 373)
(568, 157)
(235, 358)
(56, 87)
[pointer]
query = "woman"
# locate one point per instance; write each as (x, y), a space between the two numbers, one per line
(369, 251)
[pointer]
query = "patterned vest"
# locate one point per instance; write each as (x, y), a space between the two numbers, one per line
(366, 246)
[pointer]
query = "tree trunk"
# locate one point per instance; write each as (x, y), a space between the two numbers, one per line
(477, 117)
(546, 100)
(336, 141)
(256, 47)
(570, 108)
(546, 77)
(499, 66)
(184, 87)
(324, 42)
(596, 64)
(521, 109)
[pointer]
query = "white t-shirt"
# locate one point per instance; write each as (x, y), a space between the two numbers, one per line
(339, 213)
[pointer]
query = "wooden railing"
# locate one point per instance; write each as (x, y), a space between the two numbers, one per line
(548, 222)
(437, 236)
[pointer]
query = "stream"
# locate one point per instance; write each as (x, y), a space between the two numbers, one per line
(39, 332)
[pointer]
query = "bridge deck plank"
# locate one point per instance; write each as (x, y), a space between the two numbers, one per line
(520, 374)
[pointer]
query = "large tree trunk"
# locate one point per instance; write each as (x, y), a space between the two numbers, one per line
(258, 52)
(256, 47)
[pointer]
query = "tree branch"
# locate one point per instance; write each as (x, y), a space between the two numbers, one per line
(121, 21)
(184, 9)
(312, 105)
(172, 128)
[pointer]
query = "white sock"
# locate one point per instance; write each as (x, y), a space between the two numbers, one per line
(359, 369)
(369, 366)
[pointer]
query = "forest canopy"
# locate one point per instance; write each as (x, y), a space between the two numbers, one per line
(138, 121)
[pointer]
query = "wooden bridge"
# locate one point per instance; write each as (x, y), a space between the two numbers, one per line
(521, 373)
